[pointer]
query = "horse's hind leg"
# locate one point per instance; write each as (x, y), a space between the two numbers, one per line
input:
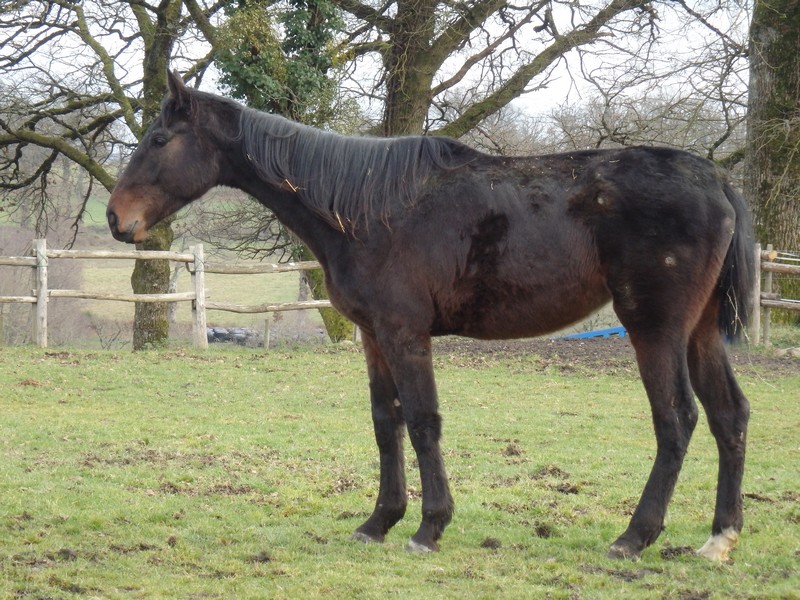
(728, 412)
(387, 418)
(662, 364)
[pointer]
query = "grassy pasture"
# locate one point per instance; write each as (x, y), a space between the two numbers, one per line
(235, 474)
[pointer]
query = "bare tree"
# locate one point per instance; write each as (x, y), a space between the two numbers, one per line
(681, 83)
(419, 50)
(82, 81)
(687, 87)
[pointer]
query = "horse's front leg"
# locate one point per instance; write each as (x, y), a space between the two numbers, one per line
(408, 355)
(387, 418)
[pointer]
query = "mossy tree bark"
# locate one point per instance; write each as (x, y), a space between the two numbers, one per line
(772, 163)
(151, 322)
(410, 67)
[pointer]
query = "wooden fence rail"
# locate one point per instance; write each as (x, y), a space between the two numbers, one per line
(196, 264)
(768, 261)
(771, 261)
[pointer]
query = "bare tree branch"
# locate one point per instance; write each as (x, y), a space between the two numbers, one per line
(515, 85)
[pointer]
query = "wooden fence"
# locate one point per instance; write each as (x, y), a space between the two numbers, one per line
(768, 261)
(771, 261)
(196, 265)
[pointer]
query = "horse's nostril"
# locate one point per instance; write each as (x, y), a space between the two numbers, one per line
(112, 219)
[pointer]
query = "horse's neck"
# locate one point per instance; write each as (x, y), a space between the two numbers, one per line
(310, 227)
(312, 230)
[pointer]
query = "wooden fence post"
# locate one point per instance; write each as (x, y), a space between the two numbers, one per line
(755, 320)
(267, 330)
(40, 319)
(767, 316)
(199, 304)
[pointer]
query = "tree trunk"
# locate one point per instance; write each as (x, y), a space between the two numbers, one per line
(409, 72)
(772, 162)
(151, 320)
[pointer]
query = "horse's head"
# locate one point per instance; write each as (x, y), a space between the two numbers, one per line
(173, 165)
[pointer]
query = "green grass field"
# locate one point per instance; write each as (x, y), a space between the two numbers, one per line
(241, 475)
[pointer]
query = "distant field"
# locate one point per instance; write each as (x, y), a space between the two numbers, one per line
(115, 275)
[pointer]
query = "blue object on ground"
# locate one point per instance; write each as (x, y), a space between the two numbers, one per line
(603, 333)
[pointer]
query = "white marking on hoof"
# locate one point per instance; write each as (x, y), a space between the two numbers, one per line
(718, 546)
(364, 538)
(417, 548)
(622, 552)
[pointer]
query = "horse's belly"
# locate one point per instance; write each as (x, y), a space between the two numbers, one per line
(506, 314)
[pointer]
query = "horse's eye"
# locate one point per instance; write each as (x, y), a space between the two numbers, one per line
(159, 141)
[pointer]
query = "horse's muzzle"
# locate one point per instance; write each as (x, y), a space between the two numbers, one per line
(127, 235)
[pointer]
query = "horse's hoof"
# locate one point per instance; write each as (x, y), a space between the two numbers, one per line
(718, 546)
(622, 552)
(418, 548)
(360, 536)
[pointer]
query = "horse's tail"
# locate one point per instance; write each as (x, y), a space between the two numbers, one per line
(737, 279)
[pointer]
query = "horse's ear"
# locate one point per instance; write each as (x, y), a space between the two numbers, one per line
(178, 91)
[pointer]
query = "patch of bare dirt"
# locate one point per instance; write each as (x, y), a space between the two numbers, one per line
(596, 355)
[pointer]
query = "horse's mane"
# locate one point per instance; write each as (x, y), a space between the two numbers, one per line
(348, 181)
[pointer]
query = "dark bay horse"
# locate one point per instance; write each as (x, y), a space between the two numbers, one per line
(423, 236)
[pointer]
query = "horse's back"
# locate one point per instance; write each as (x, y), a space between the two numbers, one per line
(518, 247)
